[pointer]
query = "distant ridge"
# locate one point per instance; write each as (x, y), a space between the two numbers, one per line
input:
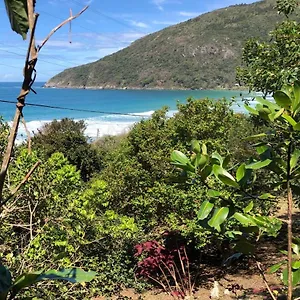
(200, 53)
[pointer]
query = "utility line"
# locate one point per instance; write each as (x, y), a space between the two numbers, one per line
(98, 12)
(23, 49)
(75, 109)
(86, 28)
(51, 63)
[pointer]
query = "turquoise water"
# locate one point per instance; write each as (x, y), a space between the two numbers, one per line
(141, 102)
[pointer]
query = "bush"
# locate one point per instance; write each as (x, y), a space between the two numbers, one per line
(67, 136)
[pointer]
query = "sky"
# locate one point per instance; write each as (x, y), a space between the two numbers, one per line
(106, 27)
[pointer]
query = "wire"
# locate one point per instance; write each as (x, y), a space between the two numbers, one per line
(75, 109)
(52, 56)
(98, 12)
(52, 63)
(86, 28)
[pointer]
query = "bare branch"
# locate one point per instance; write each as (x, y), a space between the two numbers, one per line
(28, 134)
(21, 183)
(61, 25)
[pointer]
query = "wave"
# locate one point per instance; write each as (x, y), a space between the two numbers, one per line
(96, 127)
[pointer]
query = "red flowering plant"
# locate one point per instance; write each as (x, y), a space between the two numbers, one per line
(167, 267)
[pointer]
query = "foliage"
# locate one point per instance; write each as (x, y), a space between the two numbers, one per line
(141, 180)
(277, 152)
(200, 53)
(4, 131)
(267, 66)
(18, 16)
(11, 289)
(67, 136)
(57, 222)
(270, 65)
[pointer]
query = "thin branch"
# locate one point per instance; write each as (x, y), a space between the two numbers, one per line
(28, 134)
(61, 25)
(258, 264)
(21, 183)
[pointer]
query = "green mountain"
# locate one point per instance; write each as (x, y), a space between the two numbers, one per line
(200, 53)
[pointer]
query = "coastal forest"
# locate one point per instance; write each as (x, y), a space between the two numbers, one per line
(200, 205)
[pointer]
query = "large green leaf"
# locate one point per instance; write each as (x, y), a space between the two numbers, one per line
(251, 110)
(18, 16)
(240, 173)
(289, 119)
(282, 99)
(205, 209)
(195, 146)
(259, 164)
(72, 275)
(224, 176)
(276, 267)
(295, 277)
(25, 280)
(243, 219)
(296, 103)
(181, 161)
(219, 217)
(244, 246)
(5, 282)
(294, 159)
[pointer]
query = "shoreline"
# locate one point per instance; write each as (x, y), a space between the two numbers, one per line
(97, 88)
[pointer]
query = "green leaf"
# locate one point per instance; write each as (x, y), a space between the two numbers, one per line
(296, 95)
(266, 196)
(275, 267)
(251, 110)
(249, 207)
(25, 280)
(206, 172)
(259, 164)
(5, 282)
(178, 157)
(204, 149)
(256, 136)
(201, 160)
(294, 159)
(218, 157)
(195, 146)
(18, 16)
(224, 176)
(295, 248)
(295, 277)
(180, 160)
(282, 99)
(289, 119)
(205, 209)
(240, 173)
(219, 217)
(244, 220)
(213, 193)
(73, 275)
(296, 265)
(297, 127)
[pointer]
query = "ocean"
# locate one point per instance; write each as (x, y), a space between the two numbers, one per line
(136, 102)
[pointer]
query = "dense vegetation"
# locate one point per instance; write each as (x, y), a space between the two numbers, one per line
(150, 206)
(63, 222)
(200, 53)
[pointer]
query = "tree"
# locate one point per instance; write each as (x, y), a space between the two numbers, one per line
(268, 66)
(67, 136)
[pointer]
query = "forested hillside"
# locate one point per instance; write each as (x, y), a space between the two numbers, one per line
(200, 53)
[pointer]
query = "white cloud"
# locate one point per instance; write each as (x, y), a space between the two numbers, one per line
(139, 24)
(164, 22)
(159, 4)
(190, 14)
